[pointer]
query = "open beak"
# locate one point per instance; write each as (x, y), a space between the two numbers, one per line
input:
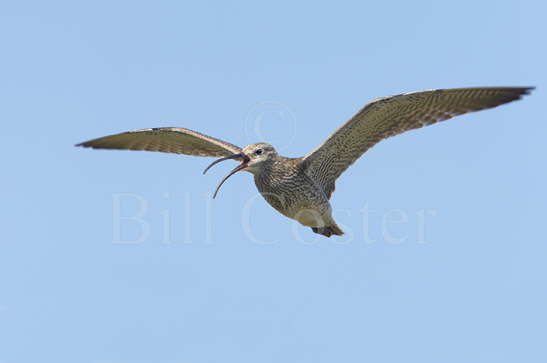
(243, 165)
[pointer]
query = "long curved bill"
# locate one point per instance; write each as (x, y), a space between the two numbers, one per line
(241, 166)
(234, 156)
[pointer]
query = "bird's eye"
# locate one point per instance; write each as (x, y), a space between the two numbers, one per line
(258, 151)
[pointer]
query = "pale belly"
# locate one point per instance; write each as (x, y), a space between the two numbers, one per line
(304, 203)
(310, 217)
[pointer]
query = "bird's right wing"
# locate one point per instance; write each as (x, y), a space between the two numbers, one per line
(165, 139)
(389, 116)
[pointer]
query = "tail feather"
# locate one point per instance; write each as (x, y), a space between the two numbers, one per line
(328, 231)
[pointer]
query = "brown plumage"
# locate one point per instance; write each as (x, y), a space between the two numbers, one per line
(175, 140)
(300, 188)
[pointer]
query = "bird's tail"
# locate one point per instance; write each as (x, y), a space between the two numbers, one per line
(328, 231)
(334, 229)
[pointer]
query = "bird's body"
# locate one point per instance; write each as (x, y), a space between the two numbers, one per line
(287, 187)
(300, 188)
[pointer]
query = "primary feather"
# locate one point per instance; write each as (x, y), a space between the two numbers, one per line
(390, 116)
(174, 140)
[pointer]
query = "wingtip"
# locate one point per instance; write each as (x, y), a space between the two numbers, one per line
(524, 91)
(517, 93)
(82, 144)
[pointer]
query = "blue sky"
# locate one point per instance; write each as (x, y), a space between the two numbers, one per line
(444, 259)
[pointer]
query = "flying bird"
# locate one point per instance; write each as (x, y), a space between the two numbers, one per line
(300, 188)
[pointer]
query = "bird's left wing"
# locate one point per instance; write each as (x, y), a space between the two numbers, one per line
(389, 116)
(165, 139)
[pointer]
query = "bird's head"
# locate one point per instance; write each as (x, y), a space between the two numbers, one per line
(252, 158)
(258, 154)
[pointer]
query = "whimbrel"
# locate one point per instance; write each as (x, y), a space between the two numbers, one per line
(300, 188)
